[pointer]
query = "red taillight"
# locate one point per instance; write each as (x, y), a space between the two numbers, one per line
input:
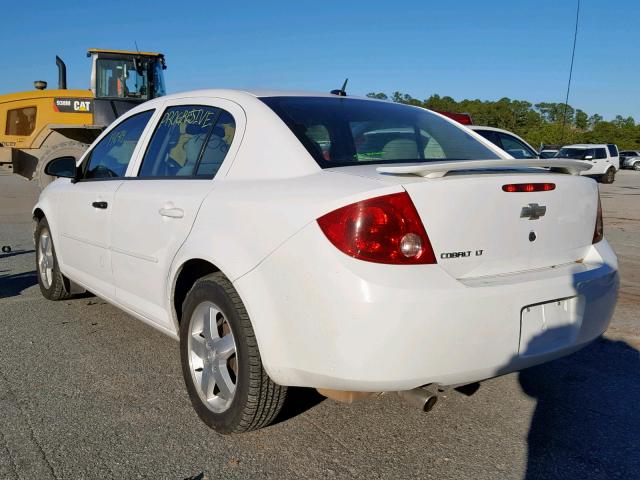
(383, 229)
(529, 187)
(598, 232)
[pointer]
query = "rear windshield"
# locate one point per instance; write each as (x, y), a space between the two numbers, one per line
(347, 131)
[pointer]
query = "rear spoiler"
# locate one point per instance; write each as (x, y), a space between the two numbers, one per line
(440, 169)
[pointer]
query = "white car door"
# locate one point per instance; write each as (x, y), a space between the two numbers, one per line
(601, 160)
(86, 206)
(614, 155)
(155, 209)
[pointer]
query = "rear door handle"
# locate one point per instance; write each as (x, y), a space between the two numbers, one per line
(171, 212)
(101, 205)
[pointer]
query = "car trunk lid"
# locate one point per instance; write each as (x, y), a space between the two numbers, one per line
(478, 229)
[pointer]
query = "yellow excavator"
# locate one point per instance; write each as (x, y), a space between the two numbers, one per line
(40, 125)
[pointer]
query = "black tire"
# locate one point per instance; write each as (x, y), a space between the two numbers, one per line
(53, 286)
(636, 166)
(609, 176)
(69, 148)
(257, 399)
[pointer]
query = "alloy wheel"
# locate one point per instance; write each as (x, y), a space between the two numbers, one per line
(212, 357)
(45, 258)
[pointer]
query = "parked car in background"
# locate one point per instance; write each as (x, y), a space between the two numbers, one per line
(630, 159)
(508, 141)
(345, 244)
(604, 159)
(548, 153)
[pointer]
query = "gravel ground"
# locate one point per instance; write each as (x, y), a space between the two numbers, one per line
(87, 391)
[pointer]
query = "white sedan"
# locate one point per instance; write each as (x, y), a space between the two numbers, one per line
(345, 244)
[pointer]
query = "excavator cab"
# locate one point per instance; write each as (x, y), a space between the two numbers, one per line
(40, 125)
(120, 80)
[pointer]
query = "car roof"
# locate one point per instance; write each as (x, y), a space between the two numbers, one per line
(238, 95)
(258, 93)
(587, 145)
(493, 129)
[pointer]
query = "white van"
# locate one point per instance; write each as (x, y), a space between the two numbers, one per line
(604, 159)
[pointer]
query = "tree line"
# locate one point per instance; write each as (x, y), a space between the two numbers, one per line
(539, 124)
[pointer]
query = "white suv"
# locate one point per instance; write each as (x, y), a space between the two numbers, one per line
(603, 158)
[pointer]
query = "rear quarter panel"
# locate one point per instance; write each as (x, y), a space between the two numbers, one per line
(242, 221)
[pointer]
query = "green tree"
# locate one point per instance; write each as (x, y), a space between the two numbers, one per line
(539, 124)
(379, 95)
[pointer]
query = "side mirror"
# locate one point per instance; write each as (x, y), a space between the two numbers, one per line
(64, 167)
(588, 157)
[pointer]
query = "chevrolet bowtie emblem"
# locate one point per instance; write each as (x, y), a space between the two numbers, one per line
(533, 211)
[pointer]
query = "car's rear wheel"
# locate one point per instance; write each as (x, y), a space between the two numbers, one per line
(221, 364)
(50, 279)
(609, 176)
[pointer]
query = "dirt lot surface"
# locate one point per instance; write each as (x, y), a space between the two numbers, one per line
(87, 391)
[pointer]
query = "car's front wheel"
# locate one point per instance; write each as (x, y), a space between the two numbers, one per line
(221, 364)
(50, 279)
(609, 176)
(636, 166)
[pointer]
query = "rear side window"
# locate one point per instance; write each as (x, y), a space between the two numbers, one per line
(110, 157)
(21, 121)
(489, 135)
(189, 141)
(600, 153)
(515, 147)
(217, 145)
(340, 131)
(613, 150)
(176, 145)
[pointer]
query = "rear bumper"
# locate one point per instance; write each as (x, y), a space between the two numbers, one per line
(330, 321)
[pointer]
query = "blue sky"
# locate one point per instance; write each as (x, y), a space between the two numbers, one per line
(465, 49)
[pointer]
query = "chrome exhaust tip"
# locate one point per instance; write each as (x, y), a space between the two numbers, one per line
(423, 398)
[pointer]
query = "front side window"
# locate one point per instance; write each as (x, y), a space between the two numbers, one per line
(515, 147)
(575, 153)
(21, 121)
(189, 141)
(120, 79)
(347, 131)
(110, 157)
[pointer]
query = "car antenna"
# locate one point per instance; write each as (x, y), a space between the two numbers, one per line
(343, 91)
(573, 54)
